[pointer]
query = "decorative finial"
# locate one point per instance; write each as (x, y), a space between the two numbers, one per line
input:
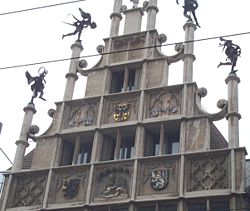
(38, 85)
(232, 52)
(135, 3)
(81, 24)
(190, 6)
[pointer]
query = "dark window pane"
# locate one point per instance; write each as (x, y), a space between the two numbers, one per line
(108, 148)
(67, 153)
(197, 206)
(172, 142)
(152, 208)
(219, 205)
(117, 81)
(119, 209)
(131, 80)
(152, 143)
(170, 207)
(127, 148)
(84, 153)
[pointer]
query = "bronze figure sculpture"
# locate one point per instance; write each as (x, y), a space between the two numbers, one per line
(190, 6)
(81, 24)
(232, 52)
(38, 85)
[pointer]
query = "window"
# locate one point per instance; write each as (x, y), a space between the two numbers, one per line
(77, 149)
(222, 205)
(67, 153)
(108, 148)
(118, 144)
(172, 142)
(84, 153)
(152, 146)
(164, 139)
(197, 206)
(124, 80)
(127, 147)
(170, 207)
(151, 208)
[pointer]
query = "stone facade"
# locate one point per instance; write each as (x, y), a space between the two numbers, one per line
(134, 142)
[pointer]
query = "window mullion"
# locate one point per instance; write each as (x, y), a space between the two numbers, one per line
(76, 150)
(162, 140)
(125, 82)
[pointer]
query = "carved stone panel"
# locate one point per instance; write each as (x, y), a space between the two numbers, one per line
(207, 172)
(163, 103)
(69, 185)
(197, 135)
(28, 190)
(112, 182)
(121, 109)
(81, 114)
(158, 176)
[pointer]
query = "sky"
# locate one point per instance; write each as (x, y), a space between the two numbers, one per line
(36, 36)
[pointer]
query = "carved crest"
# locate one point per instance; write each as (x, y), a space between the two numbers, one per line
(121, 112)
(71, 188)
(159, 179)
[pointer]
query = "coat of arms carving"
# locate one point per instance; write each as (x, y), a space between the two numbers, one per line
(71, 188)
(159, 179)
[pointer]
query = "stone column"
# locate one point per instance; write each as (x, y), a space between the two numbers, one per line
(71, 75)
(188, 57)
(152, 10)
(116, 18)
(22, 143)
(233, 116)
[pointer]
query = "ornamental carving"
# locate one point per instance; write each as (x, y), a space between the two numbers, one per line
(121, 112)
(121, 109)
(159, 176)
(207, 173)
(159, 179)
(164, 103)
(29, 190)
(68, 185)
(82, 115)
(113, 182)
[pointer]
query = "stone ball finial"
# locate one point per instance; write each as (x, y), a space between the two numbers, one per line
(82, 63)
(222, 103)
(145, 5)
(178, 47)
(100, 49)
(51, 112)
(34, 129)
(162, 38)
(202, 92)
(123, 8)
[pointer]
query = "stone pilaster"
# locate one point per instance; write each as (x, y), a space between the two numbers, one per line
(116, 18)
(188, 57)
(71, 76)
(22, 143)
(233, 116)
(152, 11)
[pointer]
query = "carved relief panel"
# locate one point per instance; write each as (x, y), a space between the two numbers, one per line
(112, 182)
(121, 109)
(207, 172)
(163, 103)
(28, 190)
(159, 176)
(81, 114)
(69, 185)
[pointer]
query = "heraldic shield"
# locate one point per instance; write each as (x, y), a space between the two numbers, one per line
(159, 179)
(71, 188)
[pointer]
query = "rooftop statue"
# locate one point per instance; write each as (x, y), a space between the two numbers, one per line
(135, 3)
(190, 6)
(38, 85)
(232, 52)
(81, 24)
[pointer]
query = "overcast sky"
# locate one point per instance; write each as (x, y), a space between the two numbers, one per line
(35, 36)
